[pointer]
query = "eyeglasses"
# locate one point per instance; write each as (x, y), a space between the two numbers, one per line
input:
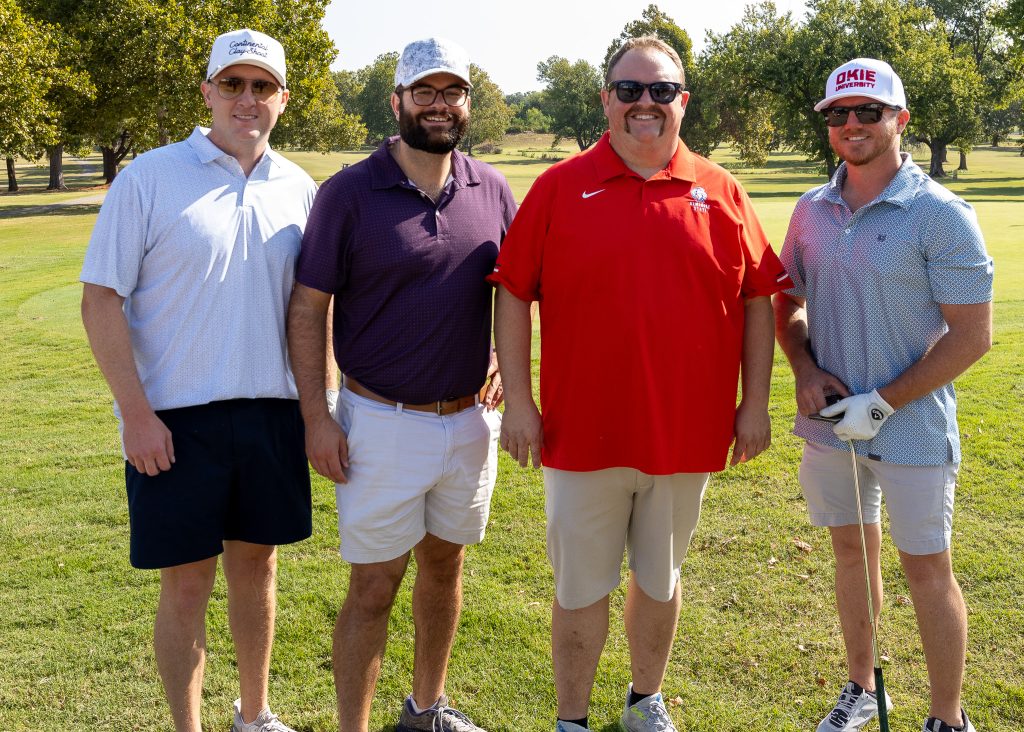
(867, 114)
(662, 92)
(454, 96)
(231, 87)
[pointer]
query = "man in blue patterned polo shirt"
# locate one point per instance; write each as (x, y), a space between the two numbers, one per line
(892, 302)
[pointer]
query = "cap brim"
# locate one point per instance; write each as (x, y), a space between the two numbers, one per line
(428, 72)
(252, 62)
(843, 95)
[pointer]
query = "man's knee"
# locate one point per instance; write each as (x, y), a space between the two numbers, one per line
(928, 570)
(372, 587)
(185, 589)
(439, 560)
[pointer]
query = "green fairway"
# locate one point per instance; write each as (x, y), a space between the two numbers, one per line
(758, 645)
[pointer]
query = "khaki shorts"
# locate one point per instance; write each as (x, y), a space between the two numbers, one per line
(411, 473)
(593, 516)
(918, 498)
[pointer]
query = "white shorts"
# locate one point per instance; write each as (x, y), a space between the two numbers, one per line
(593, 516)
(411, 473)
(918, 498)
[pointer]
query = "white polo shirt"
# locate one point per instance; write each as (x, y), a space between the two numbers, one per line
(205, 259)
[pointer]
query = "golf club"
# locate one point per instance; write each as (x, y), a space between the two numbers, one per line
(883, 711)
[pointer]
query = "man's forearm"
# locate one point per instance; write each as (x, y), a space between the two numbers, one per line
(307, 344)
(758, 351)
(513, 332)
(791, 331)
(111, 343)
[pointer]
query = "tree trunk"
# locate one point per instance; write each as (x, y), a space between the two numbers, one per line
(935, 169)
(112, 156)
(55, 153)
(963, 161)
(995, 140)
(12, 177)
(945, 154)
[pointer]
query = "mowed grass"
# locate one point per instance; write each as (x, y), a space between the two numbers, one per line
(758, 644)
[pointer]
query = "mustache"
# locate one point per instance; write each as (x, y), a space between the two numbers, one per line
(654, 109)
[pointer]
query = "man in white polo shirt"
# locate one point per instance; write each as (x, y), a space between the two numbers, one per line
(187, 279)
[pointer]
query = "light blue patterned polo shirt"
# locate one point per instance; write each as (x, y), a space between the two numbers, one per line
(873, 281)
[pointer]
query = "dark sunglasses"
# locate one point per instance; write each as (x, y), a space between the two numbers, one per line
(867, 114)
(231, 87)
(662, 92)
(424, 96)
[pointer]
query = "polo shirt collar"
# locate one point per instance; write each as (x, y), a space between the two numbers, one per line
(386, 173)
(901, 191)
(608, 164)
(207, 152)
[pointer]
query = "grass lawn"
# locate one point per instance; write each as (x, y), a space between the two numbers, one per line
(758, 645)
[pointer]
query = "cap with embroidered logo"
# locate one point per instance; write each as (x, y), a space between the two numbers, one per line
(864, 77)
(247, 46)
(431, 56)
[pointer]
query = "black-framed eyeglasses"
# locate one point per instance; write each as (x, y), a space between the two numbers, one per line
(453, 96)
(867, 114)
(231, 87)
(662, 92)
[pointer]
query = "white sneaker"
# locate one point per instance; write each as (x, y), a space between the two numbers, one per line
(933, 724)
(853, 710)
(266, 721)
(647, 715)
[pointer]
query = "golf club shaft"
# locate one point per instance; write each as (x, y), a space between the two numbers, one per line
(883, 712)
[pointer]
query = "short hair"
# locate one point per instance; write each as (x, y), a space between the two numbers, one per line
(642, 42)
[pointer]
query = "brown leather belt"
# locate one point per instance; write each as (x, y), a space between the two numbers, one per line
(441, 408)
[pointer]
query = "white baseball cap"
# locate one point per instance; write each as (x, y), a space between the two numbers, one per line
(431, 56)
(247, 46)
(864, 77)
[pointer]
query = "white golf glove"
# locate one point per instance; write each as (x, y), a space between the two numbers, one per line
(864, 416)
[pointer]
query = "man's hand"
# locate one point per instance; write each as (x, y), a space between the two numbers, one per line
(813, 385)
(753, 430)
(148, 444)
(495, 391)
(522, 434)
(864, 416)
(327, 448)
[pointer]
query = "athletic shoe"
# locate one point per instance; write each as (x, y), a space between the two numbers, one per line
(266, 721)
(855, 708)
(439, 718)
(561, 726)
(647, 715)
(933, 724)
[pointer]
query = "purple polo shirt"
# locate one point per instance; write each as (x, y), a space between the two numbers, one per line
(412, 307)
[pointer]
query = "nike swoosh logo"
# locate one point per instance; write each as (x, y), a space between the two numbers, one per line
(593, 193)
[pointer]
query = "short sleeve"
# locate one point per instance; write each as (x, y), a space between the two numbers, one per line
(959, 268)
(519, 261)
(320, 261)
(764, 274)
(118, 242)
(790, 254)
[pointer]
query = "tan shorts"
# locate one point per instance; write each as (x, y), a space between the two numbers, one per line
(593, 516)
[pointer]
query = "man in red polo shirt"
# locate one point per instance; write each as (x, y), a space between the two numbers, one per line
(654, 279)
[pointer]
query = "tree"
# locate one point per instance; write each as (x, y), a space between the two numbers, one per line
(526, 112)
(374, 99)
(572, 99)
(653, 22)
(490, 115)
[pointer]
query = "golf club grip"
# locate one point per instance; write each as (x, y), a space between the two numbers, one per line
(883, 708)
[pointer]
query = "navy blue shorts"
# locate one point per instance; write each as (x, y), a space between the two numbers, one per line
(239, 474)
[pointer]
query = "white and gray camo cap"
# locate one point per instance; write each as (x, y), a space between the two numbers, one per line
(431, 56)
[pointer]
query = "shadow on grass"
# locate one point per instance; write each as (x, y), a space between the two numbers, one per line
(50, 209)
(530, 161)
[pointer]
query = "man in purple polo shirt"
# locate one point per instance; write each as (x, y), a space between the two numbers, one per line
(403, 241)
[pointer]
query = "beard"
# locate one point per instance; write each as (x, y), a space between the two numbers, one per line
(418, 137)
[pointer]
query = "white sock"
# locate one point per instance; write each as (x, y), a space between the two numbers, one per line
(415, 708)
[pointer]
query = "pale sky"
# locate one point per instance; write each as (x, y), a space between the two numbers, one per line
(508, 39)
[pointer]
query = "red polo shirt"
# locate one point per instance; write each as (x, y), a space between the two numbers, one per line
(641, 285)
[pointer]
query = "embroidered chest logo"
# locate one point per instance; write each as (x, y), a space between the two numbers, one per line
(700, 200)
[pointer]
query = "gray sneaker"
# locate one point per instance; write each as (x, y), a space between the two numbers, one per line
(854, 708)
(933, 724)
(266, 721)
(439, 718)
(647, 715)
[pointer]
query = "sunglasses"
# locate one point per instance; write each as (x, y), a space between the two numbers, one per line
(424, 96)
(662, 92)
(231, 87)
(867, 114)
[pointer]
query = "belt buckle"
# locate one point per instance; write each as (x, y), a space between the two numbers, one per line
(440, 413)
